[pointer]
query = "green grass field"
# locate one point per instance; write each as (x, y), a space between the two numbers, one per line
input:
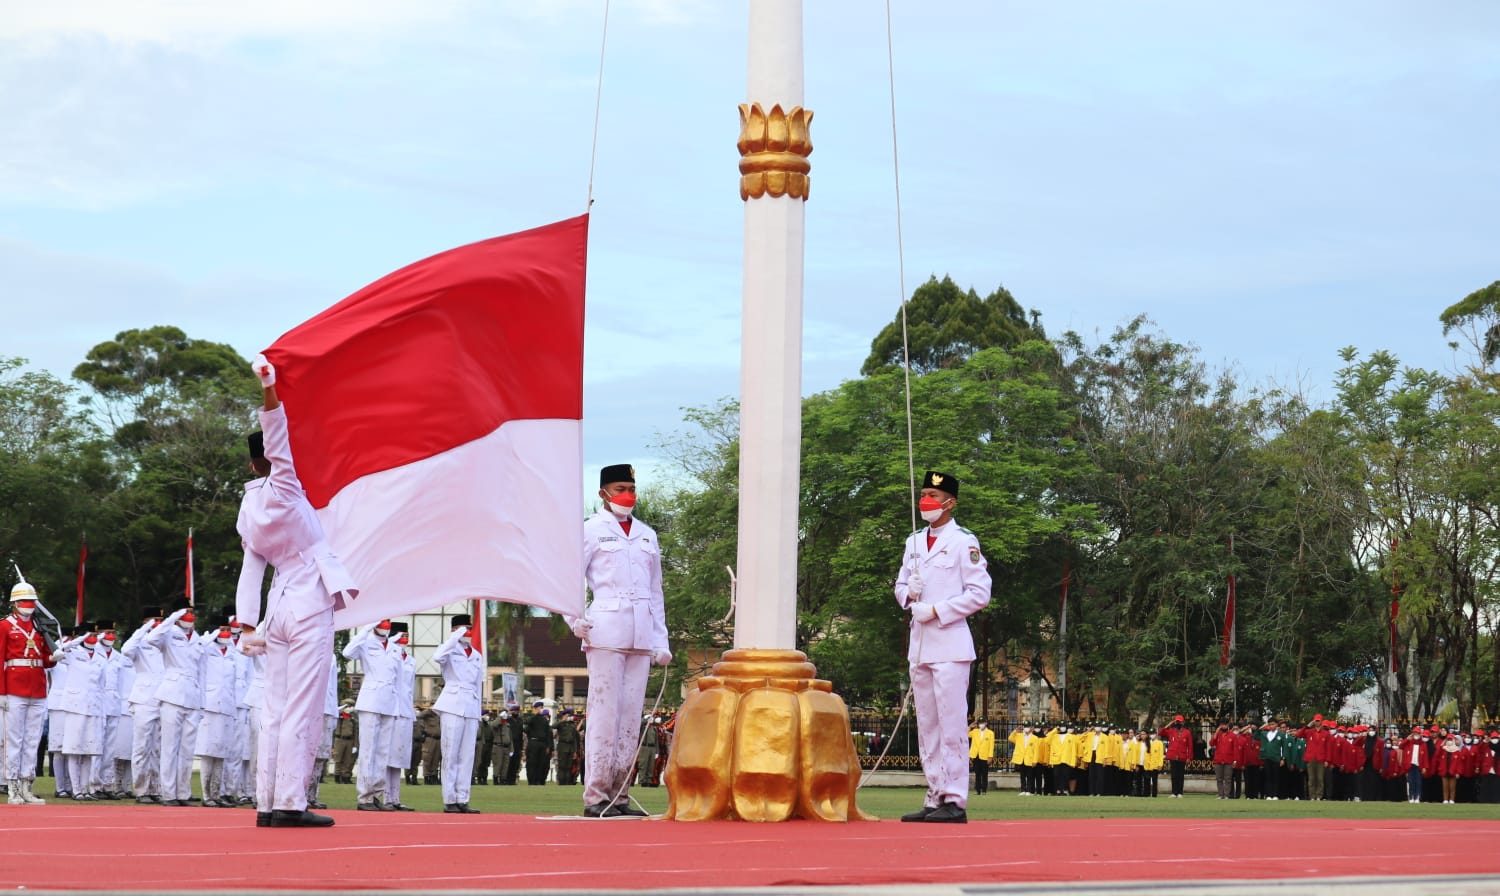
(892, 802)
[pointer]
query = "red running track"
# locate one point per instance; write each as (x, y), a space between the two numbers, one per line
(189, 848)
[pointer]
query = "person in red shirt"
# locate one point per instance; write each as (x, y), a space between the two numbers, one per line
(1179, 741)
(25, 657)
(1489, 768)
(1225, 746)
(1416, 755)
(1316, 756)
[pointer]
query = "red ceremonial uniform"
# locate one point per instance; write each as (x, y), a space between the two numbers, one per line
(23, 659)
(1179, 743)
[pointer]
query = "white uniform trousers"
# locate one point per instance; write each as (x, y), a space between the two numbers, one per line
(297, 673)
(617, 694)
(103, 778)
(23, 734)
(458, 742)
(397, 757)
(374, 743)
(250, 768)
(81, 769)
(145, 749)
(118, 746)
(941, 694)
(179, 734)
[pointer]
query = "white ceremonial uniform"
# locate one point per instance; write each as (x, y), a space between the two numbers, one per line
(145, 713)
(627, 614)
(236, 781)
(115, 748)
(57, 679)
(398, 744)
(180, 694)
(458, 705)
(216, 728)
(956, 583)
(278, 526)
(253, 699)
(325, 742)
(79, 713)
(376, 704)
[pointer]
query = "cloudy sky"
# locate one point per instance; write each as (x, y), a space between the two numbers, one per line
(1268, 181)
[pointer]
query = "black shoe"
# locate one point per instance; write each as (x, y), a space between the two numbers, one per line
(245, 801)
(367, 807)
(147, 800)
(317, 805)
(62, 794)
(920, 815)
(464, 808)
(174, 802)
(402, 807)
(84, 798)
(291, 818)
(948, 813)
(210, 804)
(603, 810)
(632, 811)
(452, 809)
(262, 819)
(385, 806)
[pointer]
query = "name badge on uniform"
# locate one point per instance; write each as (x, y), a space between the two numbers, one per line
(609, 538)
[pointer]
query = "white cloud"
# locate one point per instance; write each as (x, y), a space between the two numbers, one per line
(192, 23)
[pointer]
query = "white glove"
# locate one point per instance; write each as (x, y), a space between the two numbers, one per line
(661, 656)
(459, 633)
(914, 585)
(265, 370)
(172, 620)
(581, 627)
(923, 612)
(253, 646)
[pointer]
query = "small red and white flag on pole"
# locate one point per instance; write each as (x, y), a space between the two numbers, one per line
(477, 630)
(83, 557)
(187, 588)
(1226, 653)
(436, 425)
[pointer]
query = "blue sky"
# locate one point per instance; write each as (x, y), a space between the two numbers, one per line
(1268, 181)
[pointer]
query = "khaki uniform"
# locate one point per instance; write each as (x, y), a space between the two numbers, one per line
(344, 736)
(431, 725)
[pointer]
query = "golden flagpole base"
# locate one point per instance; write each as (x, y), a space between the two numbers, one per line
(763, 740)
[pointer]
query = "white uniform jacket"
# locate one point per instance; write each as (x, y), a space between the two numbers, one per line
(277, 525)
(181, 667)
(220, 672)
(378, 691)
(145, 657)
(624, 572)
(111, 702)
(956, 583)
(463, 677)
(82, 689)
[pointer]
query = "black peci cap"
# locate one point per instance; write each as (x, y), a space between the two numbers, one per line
(616, 473)
(460, 619)
(943, 482)
(398, 628)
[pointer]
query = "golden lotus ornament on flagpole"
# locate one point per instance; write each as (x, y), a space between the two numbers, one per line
(762, 738)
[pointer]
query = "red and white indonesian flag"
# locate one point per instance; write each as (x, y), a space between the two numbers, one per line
(435, 421)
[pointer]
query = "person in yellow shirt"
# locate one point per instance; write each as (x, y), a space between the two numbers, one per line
(1064, 748)
(1156, 757)
(981, 751)
(1041, 773)
(1018, 757)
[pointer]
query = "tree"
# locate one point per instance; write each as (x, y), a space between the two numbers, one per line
(1478, 315)
(946, 326)
(53, 464)
(178, 409)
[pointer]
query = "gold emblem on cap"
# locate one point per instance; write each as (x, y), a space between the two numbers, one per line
(937, 478)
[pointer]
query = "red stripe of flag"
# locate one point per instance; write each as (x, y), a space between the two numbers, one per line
(187, 587)
(488, 333)
(83, 556)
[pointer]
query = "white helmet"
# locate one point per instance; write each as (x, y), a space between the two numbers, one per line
(22, 591)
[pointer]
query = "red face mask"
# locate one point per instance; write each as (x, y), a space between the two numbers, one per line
(929, 504)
